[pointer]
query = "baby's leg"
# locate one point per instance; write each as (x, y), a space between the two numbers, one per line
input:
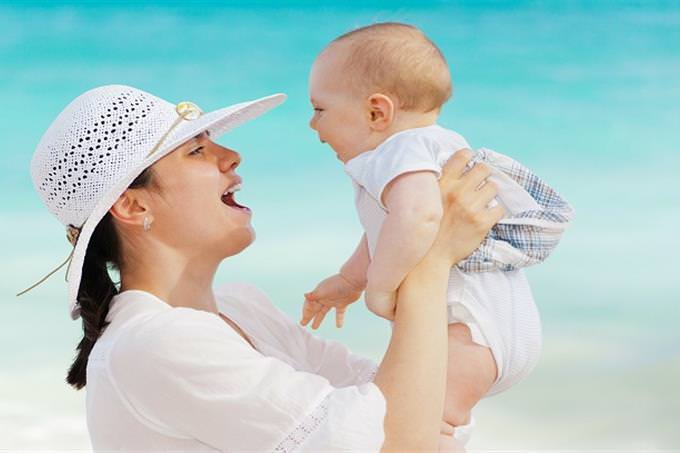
(471, 373)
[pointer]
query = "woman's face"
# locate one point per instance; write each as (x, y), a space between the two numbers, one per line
(193, 208)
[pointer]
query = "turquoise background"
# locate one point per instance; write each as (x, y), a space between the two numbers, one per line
(585, 93)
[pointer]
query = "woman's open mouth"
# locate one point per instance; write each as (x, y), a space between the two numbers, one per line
(229, 199)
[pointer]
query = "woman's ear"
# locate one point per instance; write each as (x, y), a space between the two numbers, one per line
(381, 111)
(131, 208)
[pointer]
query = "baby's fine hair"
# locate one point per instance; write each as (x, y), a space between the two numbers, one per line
(399, 60)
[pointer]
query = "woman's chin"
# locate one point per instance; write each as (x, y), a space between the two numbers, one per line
(239, 240)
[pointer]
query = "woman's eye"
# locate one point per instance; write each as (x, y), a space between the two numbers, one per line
(196, 150)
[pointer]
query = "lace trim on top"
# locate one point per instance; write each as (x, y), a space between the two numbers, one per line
(308, 425)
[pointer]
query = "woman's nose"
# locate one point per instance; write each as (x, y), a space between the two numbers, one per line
(229, 159)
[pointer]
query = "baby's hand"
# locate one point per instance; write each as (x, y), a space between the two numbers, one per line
(334, 292)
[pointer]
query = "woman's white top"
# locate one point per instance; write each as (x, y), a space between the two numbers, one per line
(167, 378)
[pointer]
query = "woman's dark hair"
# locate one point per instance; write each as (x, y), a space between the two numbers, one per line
(96, 287)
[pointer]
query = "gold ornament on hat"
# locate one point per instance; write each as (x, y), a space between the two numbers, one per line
(186, 111)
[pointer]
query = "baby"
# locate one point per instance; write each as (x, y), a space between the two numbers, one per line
(377, 93)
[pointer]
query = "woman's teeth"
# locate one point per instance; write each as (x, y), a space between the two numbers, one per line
(228, 197)
(232, 189)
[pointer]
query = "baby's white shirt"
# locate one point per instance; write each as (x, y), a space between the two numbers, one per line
(497, 306)
(419, 149)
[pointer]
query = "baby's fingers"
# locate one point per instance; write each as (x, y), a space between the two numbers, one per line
(340, 316)
(309, 309)
(318, 318)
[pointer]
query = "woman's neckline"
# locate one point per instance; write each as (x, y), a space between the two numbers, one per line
(227, 318)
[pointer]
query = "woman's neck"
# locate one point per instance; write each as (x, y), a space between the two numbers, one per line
(175, 279)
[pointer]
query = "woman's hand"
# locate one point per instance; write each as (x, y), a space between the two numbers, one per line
(465, 197)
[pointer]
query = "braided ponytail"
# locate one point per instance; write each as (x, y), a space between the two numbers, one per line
(96, 287)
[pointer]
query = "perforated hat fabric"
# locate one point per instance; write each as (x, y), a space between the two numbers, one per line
(101, 142)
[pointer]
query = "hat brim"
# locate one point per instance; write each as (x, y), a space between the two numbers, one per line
(217, 123)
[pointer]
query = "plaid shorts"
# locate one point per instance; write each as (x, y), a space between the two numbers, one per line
(522, 238)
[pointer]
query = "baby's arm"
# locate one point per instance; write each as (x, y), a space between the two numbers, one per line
(355, 268)
(339, 290)
(414, 210)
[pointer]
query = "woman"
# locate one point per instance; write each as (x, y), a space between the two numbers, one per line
(171, 363)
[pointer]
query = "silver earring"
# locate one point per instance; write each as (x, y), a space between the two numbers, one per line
(147, 224)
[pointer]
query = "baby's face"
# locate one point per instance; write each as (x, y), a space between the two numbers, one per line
(340, 116)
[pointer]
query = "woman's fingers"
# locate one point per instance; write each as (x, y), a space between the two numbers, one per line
(486, 193)
(466, 197)
(476, 176)
(452, 171)
(458, 179)
(496, 214)
(457, 164)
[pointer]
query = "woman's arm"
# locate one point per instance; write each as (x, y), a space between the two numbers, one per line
(412, 373)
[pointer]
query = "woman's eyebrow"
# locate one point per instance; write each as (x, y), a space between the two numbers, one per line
(197, 137)
(192, 141)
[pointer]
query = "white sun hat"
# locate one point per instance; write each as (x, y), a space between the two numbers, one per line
(102, 141)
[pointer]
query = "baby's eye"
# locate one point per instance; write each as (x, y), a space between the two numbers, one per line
(196, 151)
(318, 110)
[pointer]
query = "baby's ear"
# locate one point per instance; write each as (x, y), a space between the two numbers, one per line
(380, 111)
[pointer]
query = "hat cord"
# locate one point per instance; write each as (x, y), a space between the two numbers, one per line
(68, 260)
(72, 234)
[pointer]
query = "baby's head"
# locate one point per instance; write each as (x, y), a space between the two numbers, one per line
(375, 81)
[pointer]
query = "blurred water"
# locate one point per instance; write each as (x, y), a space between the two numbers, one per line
(585, 93)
